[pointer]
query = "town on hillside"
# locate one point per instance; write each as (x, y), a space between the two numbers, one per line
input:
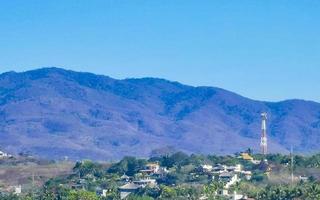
(172, 176)
(167, 175)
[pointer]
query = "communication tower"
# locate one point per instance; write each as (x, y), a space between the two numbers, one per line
(263, 143)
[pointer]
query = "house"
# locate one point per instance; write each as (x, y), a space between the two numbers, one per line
(229, 178)
(218, 169)
(246, 156)
(236, 168)
(236, 196)
(303, 178)
(77, 186)
(17, 190)
(204, 197)
(125, 178)
(151, 168)
(104, 192)
(226, 176)
(206, 168)
(134, 186)
(247, 175)
(256, 162)
(80, 184)
(127, 189)
(161, 172)
(264, 166)
(5, 155)
(145, 182)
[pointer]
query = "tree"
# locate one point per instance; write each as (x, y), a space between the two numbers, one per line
(168, 192)
(128, 165)
(311, 191)
(82, 195)
(88, 167)
(9, 197)
(177, 159)
(136, 197)
(210, 190)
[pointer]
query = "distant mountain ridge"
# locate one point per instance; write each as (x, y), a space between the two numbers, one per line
(52, 113)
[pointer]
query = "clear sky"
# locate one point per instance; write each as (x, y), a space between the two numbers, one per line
(266, 50)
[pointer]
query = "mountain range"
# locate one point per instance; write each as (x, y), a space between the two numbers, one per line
(53, 113)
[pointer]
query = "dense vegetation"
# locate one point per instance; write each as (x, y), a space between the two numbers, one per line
(184, 180)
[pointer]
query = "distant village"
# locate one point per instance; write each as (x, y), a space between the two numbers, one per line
(152, 171)
(228, 175)
(130, 176)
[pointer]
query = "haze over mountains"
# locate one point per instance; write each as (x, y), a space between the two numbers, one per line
(53, 113)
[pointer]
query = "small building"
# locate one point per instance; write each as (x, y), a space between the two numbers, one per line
(125, 178)
(17, 190)
(246, 156)
(206, 168)
(218, 169)
(229, 178)
(256, 162)
(303, 178)
(77, 186)
(204, 197)
(104, 192)
(236, 196)
(4, 155)
(127, 189)
(145, 182)
(236, 168)
(264, 166)
(247, 175)
(226, 176)
(151, 168)
(161, 172)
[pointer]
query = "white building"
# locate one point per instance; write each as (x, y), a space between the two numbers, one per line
(247, 175)
(229, 178)
(236, 196)
(145, 182)
(4, 155)
(206, 168)
(151, 168)
(127, 189)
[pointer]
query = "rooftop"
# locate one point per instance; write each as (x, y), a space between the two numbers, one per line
(129, 186)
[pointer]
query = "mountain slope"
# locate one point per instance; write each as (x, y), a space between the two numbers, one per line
(53, 113)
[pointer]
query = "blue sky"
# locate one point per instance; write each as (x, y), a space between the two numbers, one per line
(266, 50)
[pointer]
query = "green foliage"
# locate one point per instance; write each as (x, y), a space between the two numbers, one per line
(305, 191)
(258, 177)
(168, 192)
(153, 192)
(314, 161)
(9, 197)
(183, 181)
(137, 197)
(82, 195)
(128, 165)
(176, 159)
(88, 167)
(225, 160)
(211, 189)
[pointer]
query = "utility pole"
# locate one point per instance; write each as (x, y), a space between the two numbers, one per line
(32, 184)
(291, 154)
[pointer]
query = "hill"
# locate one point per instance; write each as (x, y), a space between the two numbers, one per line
(53, 113)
